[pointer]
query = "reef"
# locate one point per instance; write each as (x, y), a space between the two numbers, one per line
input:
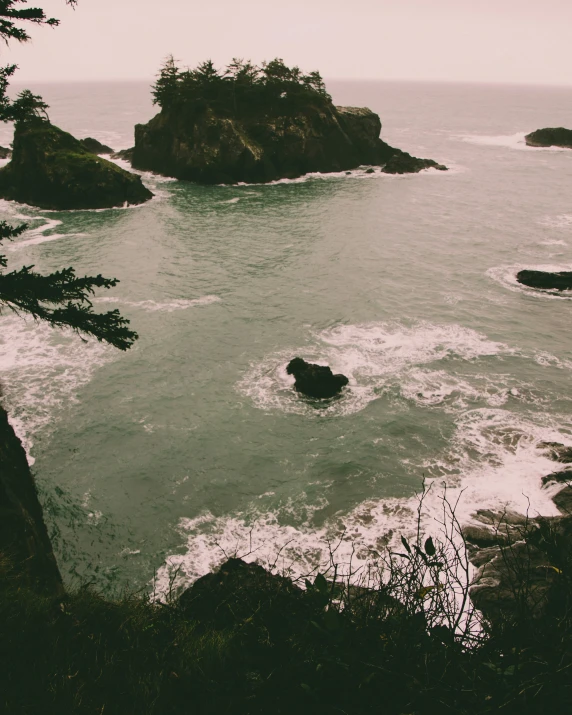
(53, 170)
(545, 280)
(315, 380)
(550, 136)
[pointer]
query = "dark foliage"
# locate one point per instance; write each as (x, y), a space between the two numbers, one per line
(61, 298)
(239, 91)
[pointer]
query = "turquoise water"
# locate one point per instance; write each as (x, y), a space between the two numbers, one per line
(193, 445)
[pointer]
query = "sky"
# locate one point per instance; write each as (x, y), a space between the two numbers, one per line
(503, 41)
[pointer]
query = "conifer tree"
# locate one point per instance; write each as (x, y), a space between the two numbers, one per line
(61, 298)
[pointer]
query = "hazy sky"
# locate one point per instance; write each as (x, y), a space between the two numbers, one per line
(459, 40)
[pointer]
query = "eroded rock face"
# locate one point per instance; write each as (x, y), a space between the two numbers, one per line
(125, 154)
(404, 163)
(315, 380)
(545, 280)
(95, 147)
(52, 170)
(24, 538)
(550, 136)
(217, 149)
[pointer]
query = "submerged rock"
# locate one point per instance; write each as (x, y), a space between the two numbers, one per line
(213, 148)
(404, 163)
(550, 136)
(546, 280)
(95, 147)
(315, 380)
(51, 169)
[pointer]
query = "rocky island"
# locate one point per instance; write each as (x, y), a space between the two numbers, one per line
(53, 170)
(257, 125)
(550, 136)
(545, 280)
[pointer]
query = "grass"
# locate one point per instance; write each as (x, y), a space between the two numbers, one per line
(243, 641)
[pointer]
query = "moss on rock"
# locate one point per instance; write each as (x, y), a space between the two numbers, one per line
(51, 169)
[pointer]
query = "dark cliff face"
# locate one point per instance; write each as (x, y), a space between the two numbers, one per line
(212, 149)
(24, 538)
(51, 169)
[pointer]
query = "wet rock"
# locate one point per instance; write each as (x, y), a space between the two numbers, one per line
(94, 146)
(557, 451)
(563, 500)
(51, 169)
(370, 171)
(563, 477)
(125, 154)
(550, 136)
(5, 153)
(546, 280)
(404, 163)
(315, 380)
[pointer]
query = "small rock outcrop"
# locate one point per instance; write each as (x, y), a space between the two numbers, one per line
(24, 540)
(5, 153)
(404, 163)
(95, 147)
(315, 380)
(125, 154)
(51, 169)
(550, 136)
(545, 280)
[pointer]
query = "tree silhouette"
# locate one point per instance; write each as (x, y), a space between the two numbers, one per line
(62, 298)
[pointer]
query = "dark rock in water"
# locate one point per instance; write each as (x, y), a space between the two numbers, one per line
(315, 380)
(545, 280)
(563, 500)
(5, 152)
(52, 170)
(557, 451)
(370, 171)
(404, 163)
(564, 477)
(125, 154)
(239, 591)
(94, 146)
(214, 148)
(551, 136)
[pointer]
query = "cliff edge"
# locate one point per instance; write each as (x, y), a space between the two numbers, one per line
(24, 540)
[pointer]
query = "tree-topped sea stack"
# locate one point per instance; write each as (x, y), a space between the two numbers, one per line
(550, 136)
(53, 170)
(256, 125)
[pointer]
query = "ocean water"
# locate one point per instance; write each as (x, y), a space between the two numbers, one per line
(157, 463)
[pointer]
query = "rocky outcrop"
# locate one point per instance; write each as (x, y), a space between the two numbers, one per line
(551, 136)
(125, 154)
(315, 380)
(520, 558)
(52, 170)
(209, 148)
(24, 540)
(5, 153)
(404, 163)
(95, 147)
(545, 280)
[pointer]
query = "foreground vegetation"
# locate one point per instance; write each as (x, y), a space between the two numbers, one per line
(246, 641)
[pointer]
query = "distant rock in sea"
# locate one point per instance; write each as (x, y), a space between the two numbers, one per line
(545, 279)
(315, 380)
(51, 169)
(256, 125)
(556, 136)
(95, 147)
